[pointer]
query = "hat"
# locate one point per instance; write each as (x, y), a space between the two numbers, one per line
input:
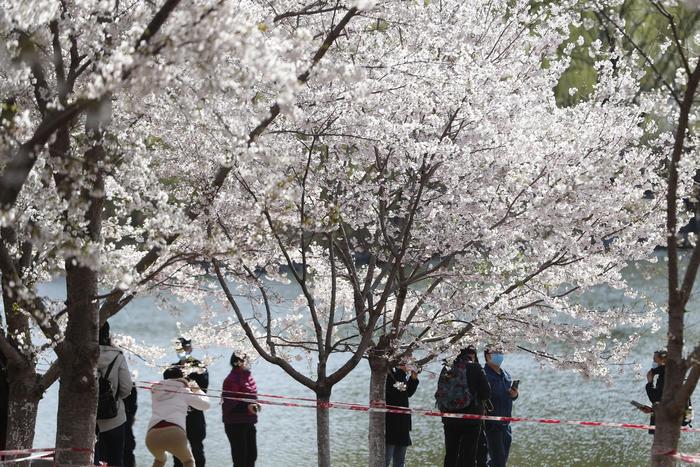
(184, 342)
(237, 359)
(661, 353)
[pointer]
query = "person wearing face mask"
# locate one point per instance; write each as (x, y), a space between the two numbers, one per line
(655, 391)
(240, 416)
(498, 433)
(193, 370)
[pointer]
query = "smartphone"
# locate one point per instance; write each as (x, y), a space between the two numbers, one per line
(516, 383)
(640, 406)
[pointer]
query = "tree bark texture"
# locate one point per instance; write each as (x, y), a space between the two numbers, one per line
(78, 353)
(77, 394)
(22, 407)
(666, 437)
(323, 428)
(377, 397)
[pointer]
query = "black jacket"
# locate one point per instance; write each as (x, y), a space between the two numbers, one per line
(654, 392)
(480, 390)
(398, 425)
(194, 370)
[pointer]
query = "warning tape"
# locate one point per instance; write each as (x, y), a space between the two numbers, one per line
(686, 458)
(36, 453)
(26, 458)
(383, 408)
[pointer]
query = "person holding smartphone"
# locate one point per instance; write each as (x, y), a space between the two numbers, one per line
(503, 392)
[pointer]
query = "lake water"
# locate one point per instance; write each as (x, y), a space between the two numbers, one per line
(286, 436)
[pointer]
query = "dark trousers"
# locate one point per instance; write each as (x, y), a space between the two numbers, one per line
(244, 450)
(196, 432)
(498, 438)
(461, 444)
(110, 447)
(129, 443)
(397, 454)
(482, 454)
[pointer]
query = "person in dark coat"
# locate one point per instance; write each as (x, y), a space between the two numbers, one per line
(194, 370)
(130, 406)
(498, 433)
(400, 386)
(655, 391)
(462, 437)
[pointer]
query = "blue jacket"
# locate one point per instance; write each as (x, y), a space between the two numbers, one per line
(500, 393)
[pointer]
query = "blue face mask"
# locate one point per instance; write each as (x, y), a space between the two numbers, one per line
(654, 365)
(497, 359)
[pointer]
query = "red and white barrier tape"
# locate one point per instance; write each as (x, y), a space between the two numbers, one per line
(375, 408)
(35, 453)
(26, 458)
(686, 458)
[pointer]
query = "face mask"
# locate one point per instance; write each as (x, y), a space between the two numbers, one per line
(654, 365)
(497, 359)
(181, 354)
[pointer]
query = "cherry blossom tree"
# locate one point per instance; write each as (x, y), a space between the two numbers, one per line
(674, 141)
(83, 190)
(426, 188)
(58, 74)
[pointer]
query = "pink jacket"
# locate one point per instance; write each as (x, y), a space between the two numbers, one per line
(239, 383)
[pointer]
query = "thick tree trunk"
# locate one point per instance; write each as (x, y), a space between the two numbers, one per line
(668, 413)
(78, 353)
(22, 408)
(323, 428)
(377, 396)
(666, 436)
(77, 395)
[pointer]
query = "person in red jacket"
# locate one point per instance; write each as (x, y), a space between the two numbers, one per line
(240, 417)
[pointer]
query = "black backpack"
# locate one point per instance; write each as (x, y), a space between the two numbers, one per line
(106, 402)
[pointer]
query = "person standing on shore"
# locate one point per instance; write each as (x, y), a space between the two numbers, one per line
(655, 391)
(240, 417)
(193, 370)
(111, 365)
(401, 384)
(498, 434)
(462, 436)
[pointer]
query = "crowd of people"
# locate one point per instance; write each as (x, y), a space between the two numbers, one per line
(177, 424)
(465, 387)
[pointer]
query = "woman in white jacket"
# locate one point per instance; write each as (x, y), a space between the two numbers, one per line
(166, 429)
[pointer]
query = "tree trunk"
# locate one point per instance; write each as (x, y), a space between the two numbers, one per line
(323, 428)
(77, 394)
(668, 413)
(78, 353)
(377, 395)
(666, 436)
(22, 408)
